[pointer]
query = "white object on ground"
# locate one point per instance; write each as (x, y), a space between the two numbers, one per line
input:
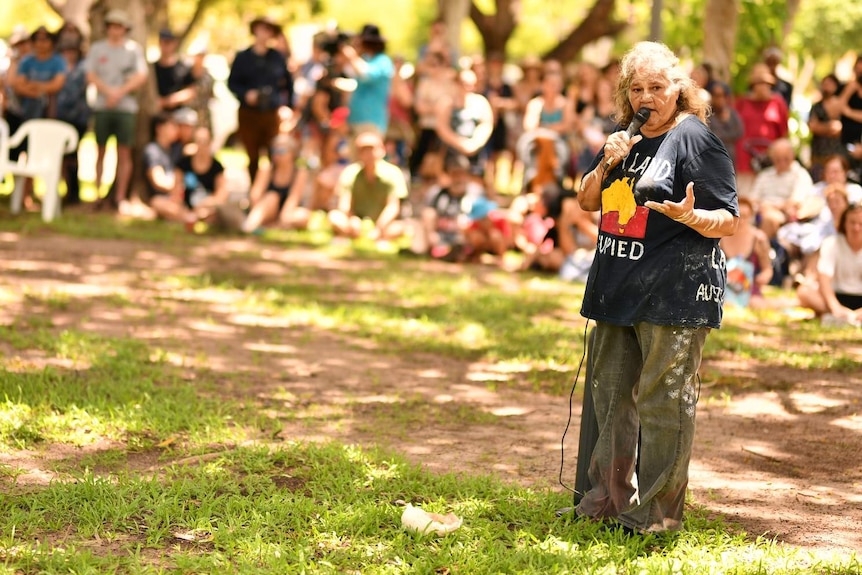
(417, 519)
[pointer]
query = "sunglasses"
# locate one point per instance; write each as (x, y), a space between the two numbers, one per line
(280, 151)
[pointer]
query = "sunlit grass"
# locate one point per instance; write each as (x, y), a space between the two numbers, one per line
(167, 472)
(115, 393)
(330, 508)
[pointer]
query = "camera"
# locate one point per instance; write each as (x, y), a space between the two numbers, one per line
(266, 98)
(332, 41)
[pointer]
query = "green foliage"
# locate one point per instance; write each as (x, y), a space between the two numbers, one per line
(682, 22)
(841, 19)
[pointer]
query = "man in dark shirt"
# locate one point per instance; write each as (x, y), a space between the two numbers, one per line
(261, 82)
(173, 77)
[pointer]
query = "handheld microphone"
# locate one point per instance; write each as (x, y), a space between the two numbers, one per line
(641, 116)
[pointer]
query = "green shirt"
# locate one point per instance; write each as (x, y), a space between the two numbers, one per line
(369, 197)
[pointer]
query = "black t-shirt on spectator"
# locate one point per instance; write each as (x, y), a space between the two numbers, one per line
(172, 79)
(199, 184)
(851, 130)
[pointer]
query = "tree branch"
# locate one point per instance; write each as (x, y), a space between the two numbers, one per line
(598, 23)
(479, 18)
(200, 8)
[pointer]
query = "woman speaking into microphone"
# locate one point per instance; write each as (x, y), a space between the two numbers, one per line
(655, 289)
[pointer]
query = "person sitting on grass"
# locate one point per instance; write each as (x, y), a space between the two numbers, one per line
(205, 185)
(749, 267)
(837, 295)
(335, 156)
(489, 232)
(277, 190)
(830, 197)
(445, 216)
(369, 190)
(163, 180)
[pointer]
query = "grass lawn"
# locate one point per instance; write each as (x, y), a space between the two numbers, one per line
(156, 468)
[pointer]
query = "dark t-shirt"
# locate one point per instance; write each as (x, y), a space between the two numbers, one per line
(649, 268)
(851, 130)
(198, 184)
(267, 73)
(172, 79)
(448, 208)
(155, 155)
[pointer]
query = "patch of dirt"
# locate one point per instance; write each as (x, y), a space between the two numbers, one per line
(780, 458)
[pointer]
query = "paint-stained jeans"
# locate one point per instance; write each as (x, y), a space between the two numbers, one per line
(644, 377)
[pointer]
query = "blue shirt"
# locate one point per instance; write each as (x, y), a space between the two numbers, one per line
(72, 104)
(369, 104)
(37, 70)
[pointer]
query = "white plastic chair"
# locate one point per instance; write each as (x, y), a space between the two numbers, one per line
(47, 142)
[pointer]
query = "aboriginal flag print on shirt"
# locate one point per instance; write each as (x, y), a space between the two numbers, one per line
(647, 266)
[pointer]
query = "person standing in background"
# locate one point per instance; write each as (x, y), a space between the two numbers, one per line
(772, 58)
(19, 47)
(825, 125)
(764, 117)
(851, 118)
(174, 80)
(260, 80)
(724, 120)
(73, 109)
(373, 71)
(39, 77)
(116, 67)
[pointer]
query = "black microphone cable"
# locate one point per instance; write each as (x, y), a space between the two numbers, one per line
(591, 295)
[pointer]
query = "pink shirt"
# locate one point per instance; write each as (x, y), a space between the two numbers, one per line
(764, 121)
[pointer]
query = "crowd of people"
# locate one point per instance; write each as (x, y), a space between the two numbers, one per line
(394, 150)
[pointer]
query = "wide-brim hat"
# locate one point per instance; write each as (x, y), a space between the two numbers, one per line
(760, 73)
(117, 16)
(371, 33)
(267, 21)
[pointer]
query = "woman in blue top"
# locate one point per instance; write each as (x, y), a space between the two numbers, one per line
(373, 71)
(550, 109)
(655, 289)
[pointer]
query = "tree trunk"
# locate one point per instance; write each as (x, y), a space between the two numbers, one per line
(655, 25)
(598, 23)
(454, 12)
(497, 28)
(719, 35)
(792, 10)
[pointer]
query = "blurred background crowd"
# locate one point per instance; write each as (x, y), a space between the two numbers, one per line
(459, 157)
